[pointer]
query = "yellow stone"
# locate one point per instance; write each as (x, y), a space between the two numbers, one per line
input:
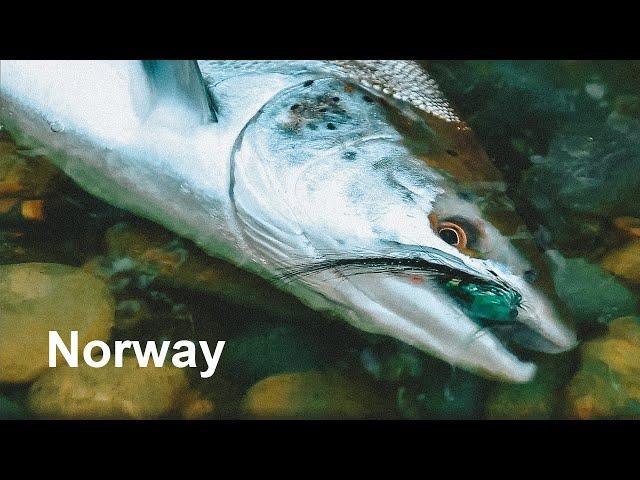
(624, 262)
(312, 395)
(38, 297)
(629, 225)
(608, 382)
(196, 407)
(536, 399)
(24, 176)
(32, 210)
(188, 267)
(587, 407)
(514, 403)
(127, 392)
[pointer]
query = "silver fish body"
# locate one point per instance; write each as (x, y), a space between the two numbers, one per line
(304, 175)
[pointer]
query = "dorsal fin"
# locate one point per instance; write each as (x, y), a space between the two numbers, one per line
(181, 79)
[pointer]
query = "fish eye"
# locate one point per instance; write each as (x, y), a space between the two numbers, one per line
(453, 234)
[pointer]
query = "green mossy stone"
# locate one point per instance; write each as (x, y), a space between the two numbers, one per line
(10, 410)
(607, 385)
(442, 392)
(537, 399)
(590, 293)
(314, 394)
(271, 350)
(127, 392)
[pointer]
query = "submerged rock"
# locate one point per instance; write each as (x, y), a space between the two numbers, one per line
(629, 225)
(24, 176)
(404, 362)
(153, 254)
(587, 171)
(38, 297)
(14, 210)
(129, 392)
(10, 410)
(130, 313)
(624, 262)
(608, 382)
(586, 178)
(442, 392)
(533, 400)
(590, 293)
(268, 350)
(422, 386)
(313, 395)
(537, 399)
(195, 407)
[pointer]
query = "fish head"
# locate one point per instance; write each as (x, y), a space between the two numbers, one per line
(348, 200)
(339, 202)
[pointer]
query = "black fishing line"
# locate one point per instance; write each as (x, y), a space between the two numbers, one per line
(384, 264)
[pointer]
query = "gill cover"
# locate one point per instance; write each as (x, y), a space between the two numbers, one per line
(298, 186)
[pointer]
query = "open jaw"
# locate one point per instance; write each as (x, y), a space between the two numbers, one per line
(439, 304)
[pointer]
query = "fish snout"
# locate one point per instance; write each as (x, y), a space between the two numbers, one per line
(469, 313)
(539, 325)
(425, 316)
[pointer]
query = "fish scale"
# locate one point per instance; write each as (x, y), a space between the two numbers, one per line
(401, 79)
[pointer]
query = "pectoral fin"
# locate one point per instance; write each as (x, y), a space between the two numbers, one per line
(181, 80)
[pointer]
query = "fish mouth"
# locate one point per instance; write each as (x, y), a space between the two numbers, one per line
(436, 302)
(498, 308)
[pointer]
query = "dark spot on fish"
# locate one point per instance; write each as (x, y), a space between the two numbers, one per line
(312, 126)
(295, 107)
(308, 83)
(349, 155)
(367, 98)
(336, 99)
(453, 153)
(289, 128)
(322, 110)
(355, 193)
(331, 126)
(530, 276)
